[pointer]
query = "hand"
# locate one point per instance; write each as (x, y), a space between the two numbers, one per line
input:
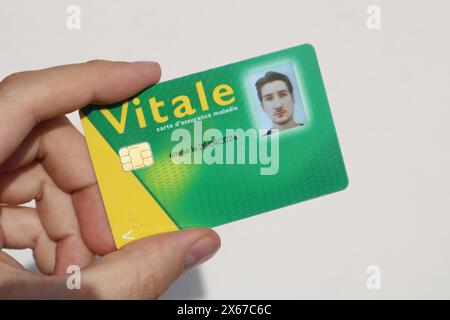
(43, 157)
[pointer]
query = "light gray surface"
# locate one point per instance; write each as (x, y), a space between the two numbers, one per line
(389, 95)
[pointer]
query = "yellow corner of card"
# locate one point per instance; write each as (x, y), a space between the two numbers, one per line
(132, 211)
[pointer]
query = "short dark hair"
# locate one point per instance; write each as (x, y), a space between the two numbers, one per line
(271, 76)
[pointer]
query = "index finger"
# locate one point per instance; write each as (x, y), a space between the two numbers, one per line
(27, 98)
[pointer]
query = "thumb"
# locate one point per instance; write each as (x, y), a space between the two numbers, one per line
(145, 269)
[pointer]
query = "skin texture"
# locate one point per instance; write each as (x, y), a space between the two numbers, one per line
(278, 103)
(69, 224)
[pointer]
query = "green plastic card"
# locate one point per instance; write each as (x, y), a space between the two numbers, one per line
(216, 146)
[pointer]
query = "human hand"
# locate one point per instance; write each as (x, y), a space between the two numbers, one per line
(43, 157)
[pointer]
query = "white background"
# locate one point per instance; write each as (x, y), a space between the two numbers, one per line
(389, 94)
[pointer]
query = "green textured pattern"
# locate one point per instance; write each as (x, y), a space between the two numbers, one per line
(311, 163)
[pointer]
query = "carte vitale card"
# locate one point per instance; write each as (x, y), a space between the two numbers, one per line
(216, 146)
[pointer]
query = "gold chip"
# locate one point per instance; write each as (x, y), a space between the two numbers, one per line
(136, 156)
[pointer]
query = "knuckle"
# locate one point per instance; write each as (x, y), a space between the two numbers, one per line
(150, 280)
(11, 78)
(151, 287)
(13, 84)
(148, 283)
(95, 63)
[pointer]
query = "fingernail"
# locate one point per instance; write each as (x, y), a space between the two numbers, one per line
(201, 251)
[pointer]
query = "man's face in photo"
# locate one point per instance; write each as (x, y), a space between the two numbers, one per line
(277, 101)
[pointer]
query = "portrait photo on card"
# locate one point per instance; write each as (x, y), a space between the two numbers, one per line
(276, 98)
